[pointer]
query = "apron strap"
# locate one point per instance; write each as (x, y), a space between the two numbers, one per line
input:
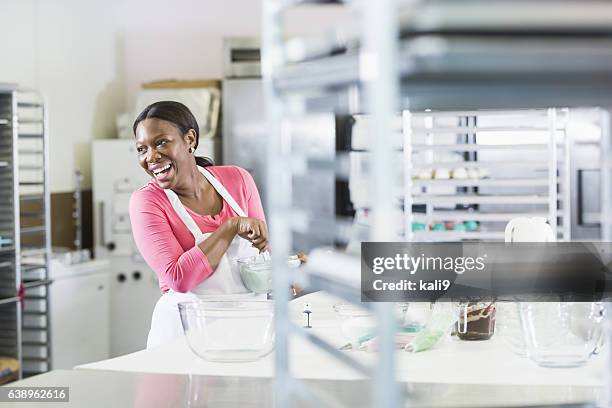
(184, 215)
(222, 192)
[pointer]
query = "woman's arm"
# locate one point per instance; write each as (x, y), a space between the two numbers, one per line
(258, 235)
(178, 269)
(217, 243)
(254, 208)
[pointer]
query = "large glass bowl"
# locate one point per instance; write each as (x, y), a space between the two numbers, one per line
(228, 331)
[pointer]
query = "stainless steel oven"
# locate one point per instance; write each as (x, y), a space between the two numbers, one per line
(244, 141)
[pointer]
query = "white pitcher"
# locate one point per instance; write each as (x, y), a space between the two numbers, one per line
(529, 229)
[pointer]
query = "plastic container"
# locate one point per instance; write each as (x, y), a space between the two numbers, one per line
(419, 226)
(228, 331)
(460, 227)
(471, 225)
(438, 226)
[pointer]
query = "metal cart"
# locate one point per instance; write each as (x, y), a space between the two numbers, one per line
(425, 55)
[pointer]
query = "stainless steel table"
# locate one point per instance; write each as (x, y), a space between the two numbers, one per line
(98, 388)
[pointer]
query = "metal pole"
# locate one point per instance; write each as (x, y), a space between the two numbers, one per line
(566, 182)
(552, 170)
(379, 74)
(47, 215)
(606, 176)
(17, 224)
(606, 234)
(77, 215)
(279, 201)
(407, 163)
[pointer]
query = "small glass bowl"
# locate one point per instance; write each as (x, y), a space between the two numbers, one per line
(256, 271)
(358, 324)
(228, 331)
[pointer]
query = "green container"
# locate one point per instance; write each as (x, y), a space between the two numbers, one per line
(460, 227)
(419, 226)
(438, 227)
(471, 225)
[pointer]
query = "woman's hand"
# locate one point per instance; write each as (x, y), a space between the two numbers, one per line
(253, 230)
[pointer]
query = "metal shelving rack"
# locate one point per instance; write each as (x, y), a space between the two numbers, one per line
(33, 148)
(285, 163)
(444, 56)
(10, 274)
(535, 147)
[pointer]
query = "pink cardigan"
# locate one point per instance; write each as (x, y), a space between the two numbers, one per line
(164, 241)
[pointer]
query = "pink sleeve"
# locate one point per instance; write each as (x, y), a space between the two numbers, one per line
(254, 207)
(178, 269)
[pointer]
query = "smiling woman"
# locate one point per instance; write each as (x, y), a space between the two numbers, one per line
(193, 220)
(160, 122)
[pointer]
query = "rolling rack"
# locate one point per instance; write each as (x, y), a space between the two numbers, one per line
(34, 196)
(10, 274)
(485, 146)
(438, 55)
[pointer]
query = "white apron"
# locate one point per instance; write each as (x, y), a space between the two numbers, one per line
(225, 282)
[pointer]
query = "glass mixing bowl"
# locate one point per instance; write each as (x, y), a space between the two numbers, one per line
(358, 325)
(256, 271)
(228, 331)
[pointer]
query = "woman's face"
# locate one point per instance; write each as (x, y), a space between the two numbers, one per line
(163, 152)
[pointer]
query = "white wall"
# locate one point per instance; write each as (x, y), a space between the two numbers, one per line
(66, 49)
(183, 39)
(89, 58)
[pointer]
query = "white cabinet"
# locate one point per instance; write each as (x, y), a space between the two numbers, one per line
(80, 313)
(134, 291)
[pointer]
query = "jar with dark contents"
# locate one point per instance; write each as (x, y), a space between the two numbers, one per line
(476, 320)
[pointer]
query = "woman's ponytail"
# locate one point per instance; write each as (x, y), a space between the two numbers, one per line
(203, 161)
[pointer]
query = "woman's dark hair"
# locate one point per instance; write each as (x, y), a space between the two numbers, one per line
(178, 115)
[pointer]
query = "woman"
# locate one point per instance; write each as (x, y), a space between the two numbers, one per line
(192, 220)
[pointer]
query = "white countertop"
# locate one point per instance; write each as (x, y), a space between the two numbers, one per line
(59, 269)
(451, 362)
(103, 389)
